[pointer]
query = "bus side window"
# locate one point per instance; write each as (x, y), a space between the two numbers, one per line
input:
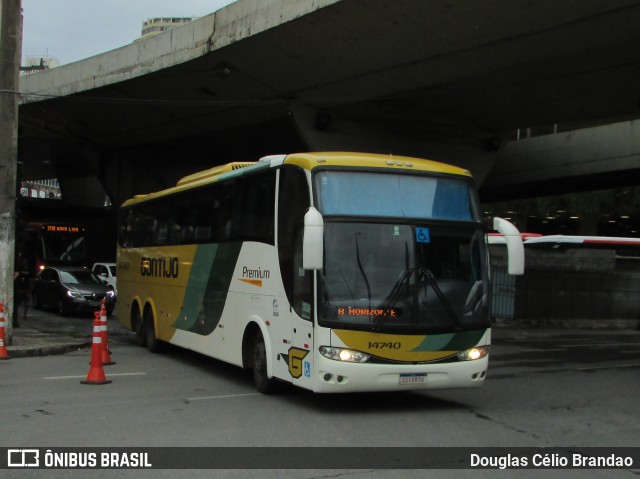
(250, 217)
(293, 203)
(126, 221)
(223, 205)
(258, 208)
(143, 229)
(203, 217)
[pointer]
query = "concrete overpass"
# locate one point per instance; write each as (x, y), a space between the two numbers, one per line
(454, 81)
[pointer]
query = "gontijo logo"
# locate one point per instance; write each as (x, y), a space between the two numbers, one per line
(159, 267)
(254, 276)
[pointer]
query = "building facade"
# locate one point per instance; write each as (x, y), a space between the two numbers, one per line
(153, 26)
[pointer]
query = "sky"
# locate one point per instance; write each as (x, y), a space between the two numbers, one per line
(72, 30)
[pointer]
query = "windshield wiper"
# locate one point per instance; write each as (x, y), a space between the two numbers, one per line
(393, 297)
(362, 271)
(394, 294)
(430, 277)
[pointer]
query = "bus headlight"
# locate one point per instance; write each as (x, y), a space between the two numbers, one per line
(472, 354)
(342, 354)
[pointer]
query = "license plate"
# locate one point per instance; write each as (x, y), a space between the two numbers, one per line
(416, 378)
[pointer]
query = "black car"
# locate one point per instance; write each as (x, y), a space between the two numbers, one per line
(71, 290)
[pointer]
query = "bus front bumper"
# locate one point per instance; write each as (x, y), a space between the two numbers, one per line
(338, 376)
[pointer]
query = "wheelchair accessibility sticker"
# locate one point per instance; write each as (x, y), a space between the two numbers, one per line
(422, 235)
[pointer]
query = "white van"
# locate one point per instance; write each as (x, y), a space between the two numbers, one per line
(106, 272)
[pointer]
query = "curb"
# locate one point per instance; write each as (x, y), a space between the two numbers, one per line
(29, 342)
(49, 350)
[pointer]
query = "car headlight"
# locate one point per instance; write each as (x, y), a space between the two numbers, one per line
(111, 293)
(343, 354)
(74, 294)
(472, 354)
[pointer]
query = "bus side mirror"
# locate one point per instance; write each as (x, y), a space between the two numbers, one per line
(515, 247)
(313, 241)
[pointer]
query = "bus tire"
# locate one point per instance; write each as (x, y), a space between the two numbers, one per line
(149, 331)
(264, 384)
(137, 326)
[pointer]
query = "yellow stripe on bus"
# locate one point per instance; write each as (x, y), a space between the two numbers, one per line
(395, 347)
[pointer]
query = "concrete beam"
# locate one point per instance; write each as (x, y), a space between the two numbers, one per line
(601, 150)
(371, 76)
(238, 21)
(79, 174)
(383, 132)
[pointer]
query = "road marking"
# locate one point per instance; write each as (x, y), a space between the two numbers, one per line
(597, 345)
(535, 340)
(227, 396)
(610, 367)
(84, 376)
(542, 350)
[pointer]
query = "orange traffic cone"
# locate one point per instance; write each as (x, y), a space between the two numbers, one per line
(4, 354)
(96, 373)
(106, 357)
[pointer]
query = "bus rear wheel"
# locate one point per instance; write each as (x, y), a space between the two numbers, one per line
(264, 384)
(138, 326)
(154, 344)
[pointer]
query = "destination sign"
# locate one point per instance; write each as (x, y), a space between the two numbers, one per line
(351, 311)
(61, 228)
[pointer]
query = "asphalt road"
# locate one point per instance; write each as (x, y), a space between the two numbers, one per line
(545, 389)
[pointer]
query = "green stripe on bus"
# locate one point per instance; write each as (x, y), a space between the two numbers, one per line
(207, 287)
(450, 341)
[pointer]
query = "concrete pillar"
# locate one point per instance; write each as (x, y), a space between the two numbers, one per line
(10, 53)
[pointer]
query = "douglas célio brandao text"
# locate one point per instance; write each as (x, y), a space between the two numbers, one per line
(549, 461)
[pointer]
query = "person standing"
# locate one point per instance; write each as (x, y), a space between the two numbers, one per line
(21, 291)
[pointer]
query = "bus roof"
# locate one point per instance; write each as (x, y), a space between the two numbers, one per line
(308, 161)
(370, 160)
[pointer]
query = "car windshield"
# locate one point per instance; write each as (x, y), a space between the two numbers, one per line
(79, 277)
(112, 269)
(418, 277)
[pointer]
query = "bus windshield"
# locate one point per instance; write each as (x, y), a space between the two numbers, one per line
(63, 248)
(357, 193)
(404, 278)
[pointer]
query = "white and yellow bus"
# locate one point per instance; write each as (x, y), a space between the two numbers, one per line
(336, 272)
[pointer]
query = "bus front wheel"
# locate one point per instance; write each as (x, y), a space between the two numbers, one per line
(263, 383)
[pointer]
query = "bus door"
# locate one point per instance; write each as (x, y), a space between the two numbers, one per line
(300, 353)
(296, 304)
(301, 312)
(278, 322)
(291, 326)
